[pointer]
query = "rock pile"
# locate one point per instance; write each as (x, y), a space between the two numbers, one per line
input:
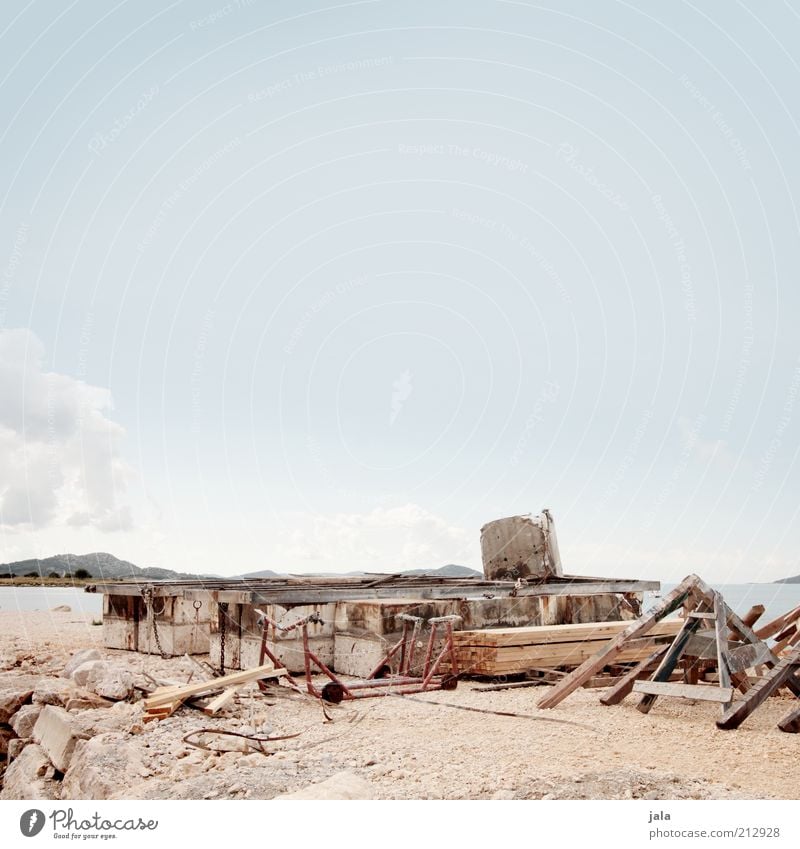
(47, 722)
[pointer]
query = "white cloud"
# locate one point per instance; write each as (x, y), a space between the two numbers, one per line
(384, 539)
(60, 454)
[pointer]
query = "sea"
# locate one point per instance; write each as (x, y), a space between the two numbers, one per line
(46, 598)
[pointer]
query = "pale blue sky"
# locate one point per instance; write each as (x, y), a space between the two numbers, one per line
(324, 287)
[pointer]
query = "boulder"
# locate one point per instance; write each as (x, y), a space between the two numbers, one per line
(103, 768)
(56, 732)
(15, 746)
(11, 700)
(6, 735)
(54, 691)
(88, 701)
(26, 778)
(343, 785)
(80, 657)
(111, 683)
(24, 719)
(83, 674)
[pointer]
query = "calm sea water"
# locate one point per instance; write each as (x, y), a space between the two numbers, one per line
(46, 598)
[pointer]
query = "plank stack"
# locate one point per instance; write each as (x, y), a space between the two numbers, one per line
(508, 651)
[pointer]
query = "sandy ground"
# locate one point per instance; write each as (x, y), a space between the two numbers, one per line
(422, 748)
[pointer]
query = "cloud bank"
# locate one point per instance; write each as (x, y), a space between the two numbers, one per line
(60, 453)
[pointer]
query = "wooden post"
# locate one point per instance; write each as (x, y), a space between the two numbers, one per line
(625, 684)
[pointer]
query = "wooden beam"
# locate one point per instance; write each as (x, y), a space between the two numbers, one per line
(721, 631)
(750, 618)
(671, 601)
(225, 697)
(625, 684)
(169, 694)
(791, 722)
(703, 692)
(760, 691)
(748, 656)
(669, 662)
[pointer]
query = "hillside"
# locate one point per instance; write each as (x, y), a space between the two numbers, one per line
(106, 566)
(97, 564)
(793, 580)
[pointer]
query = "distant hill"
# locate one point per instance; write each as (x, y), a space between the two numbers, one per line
(793, 580)
(98, 565)
(452, 570)
(105, 566)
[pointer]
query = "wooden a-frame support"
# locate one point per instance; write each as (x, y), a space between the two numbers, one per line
(703, 606)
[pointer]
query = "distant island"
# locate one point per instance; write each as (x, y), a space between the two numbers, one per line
(105, 567)
(793, 580)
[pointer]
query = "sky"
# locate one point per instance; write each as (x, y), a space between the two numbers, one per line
(313, 286)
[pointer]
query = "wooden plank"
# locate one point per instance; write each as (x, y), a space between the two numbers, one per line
(748, 656)
(703, 692)
(625, 684)
(723, 660)
(169, 694)
(605, 655)
(778, 624)
(750, 618)
(791, 722)
(670, 660)
(704, 615)
(703, 645)
(554, 634)
(760, 692)
(225, 697)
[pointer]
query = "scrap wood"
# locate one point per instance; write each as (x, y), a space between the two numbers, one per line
(778, 624)
(220, 701)
(165, 695)
(782, 673)
(750, 618)
(672, 601)
(791, 722)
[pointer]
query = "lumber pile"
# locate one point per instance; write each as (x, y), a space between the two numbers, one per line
(509, 651)
(164, 701)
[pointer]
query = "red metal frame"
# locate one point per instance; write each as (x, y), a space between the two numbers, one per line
(378, 683)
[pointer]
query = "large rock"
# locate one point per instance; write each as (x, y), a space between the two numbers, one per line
(24, 719)
(11, 700)
(103, 768)
(79, 658)
(25, 777)
(56, 732)
(83, 674)
(54, 691)
(6, 736)
(110, 682)
(343, 785)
